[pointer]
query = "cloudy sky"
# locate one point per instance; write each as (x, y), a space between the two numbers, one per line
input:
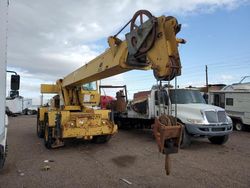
(49, 39)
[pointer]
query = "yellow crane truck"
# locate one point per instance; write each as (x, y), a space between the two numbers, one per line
(151, 43)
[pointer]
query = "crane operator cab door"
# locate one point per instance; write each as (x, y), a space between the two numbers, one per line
(89, 95)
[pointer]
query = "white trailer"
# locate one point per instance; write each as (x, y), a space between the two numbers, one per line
(236, 103)
(3, 61)
(18, 105)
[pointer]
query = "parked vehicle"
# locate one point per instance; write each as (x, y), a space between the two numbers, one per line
(14, 81)
(3, 59)
(235, 99)
(19, 105)
(198, 118)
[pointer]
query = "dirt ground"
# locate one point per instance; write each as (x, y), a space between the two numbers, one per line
(131, 155)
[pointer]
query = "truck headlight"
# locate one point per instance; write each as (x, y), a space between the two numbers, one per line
(196, 121)
(229, 120)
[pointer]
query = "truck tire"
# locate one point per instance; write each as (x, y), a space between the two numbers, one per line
(40, 129)
(219, 140)
(101, 139)
(186, 139)
(2, 156)
(119, 124)
(29, 112)
(239, 126)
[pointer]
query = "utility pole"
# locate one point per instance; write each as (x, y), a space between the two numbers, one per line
(206, 79)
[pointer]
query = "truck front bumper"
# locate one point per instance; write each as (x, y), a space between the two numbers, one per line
(209, 130)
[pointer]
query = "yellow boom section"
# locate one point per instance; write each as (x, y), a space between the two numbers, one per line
(49, 88)
(152, 45)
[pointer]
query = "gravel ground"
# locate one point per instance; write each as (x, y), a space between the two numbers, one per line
(131, 155)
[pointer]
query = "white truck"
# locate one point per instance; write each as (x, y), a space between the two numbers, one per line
(19, 105)
(15, 80)
(198, 118)
(3, 59)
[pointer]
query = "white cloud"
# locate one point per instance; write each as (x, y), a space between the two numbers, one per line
(227, 79)
(49, 39)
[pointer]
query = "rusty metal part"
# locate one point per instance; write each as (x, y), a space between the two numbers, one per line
(174, 70)
(148, 42)
(167, 164)
(177, 26)
(122, 29)
(57, 144)
(136, 15)
(120, 104)
(167, 133)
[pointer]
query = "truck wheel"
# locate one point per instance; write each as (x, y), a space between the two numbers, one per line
(186, 139)
(101, 139)
(239, 126)
(40, 130)
(48, 139)
(219, 140)
(29, 112)
(2, 156)
(119, 124)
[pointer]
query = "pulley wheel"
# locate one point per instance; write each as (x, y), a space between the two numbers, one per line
(148, 43)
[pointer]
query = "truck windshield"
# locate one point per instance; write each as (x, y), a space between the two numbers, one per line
(185, 96)
(89, 86)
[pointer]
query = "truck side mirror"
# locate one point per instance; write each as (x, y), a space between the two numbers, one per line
(15, 82)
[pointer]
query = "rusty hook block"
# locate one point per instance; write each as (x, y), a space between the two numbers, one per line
(168, 134)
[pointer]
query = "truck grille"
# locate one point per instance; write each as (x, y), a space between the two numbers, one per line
(222, 117)
(216, 116)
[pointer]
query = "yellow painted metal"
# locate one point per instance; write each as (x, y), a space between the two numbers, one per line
(88, 125)
(84, 125)
(89, 98)
(165, 47)
(42, 111)
(52, 118)
(114, 60)
(72, 108)
(103, 66)
(49, 88)
(104, 113)
(65, 116)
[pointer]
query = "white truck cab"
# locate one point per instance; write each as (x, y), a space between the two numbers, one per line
(200, 119)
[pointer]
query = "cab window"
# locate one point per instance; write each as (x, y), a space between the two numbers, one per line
(90, 86)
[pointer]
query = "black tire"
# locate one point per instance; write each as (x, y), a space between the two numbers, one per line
(40, 129)
(238, 126)
(48, 139)
(39, 126)
(186, 139)
(119, 124)
(219, 140)
(3, 155)
(101, 139)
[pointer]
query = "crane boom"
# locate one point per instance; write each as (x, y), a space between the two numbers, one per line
(152, 45)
